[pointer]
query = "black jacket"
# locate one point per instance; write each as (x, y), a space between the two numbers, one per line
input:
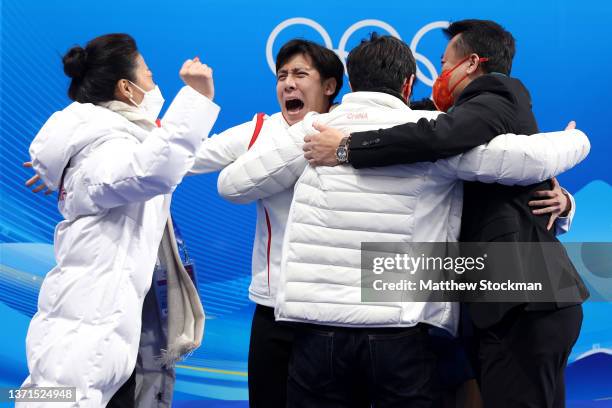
(490, 105)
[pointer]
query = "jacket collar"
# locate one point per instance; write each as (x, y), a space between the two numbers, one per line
(493, 83)
(373, 99)
(278, 116)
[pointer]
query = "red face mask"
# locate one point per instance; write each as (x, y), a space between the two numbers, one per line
(443, 95)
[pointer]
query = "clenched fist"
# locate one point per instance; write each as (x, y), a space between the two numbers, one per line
(198, 76)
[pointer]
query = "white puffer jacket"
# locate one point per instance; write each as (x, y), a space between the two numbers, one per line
(336, 208)
(116, 179)
(226, 149)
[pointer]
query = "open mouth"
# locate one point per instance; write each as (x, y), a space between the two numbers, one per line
(294, 105)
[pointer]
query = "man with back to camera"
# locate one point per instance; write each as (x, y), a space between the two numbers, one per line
(346, 350)
(518, 365)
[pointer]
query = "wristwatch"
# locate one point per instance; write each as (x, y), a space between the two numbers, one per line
(342, 152)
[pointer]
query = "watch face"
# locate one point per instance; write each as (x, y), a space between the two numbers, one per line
(341, 154)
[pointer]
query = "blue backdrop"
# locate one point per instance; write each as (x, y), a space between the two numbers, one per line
(561, 57)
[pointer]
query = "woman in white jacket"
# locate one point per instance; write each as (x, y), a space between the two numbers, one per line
(115, 170)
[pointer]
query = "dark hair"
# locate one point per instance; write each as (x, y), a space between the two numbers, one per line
(423, 104)
(324, 60)
(96, 68)
(487, 39)
(381, 63)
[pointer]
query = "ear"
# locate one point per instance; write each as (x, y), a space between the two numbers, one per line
(407, 88)
(123, 91)
(329, 86)
(474, 63)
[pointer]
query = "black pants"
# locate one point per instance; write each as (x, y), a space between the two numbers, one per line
(339, 367)
(124, 397)
(523, 358)
(269, 352)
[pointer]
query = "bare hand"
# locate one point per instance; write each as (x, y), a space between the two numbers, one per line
(556, 202)
(320, 148)
(198, 76)
(35, 179)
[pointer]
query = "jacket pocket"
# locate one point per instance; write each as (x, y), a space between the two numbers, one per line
(311, 363)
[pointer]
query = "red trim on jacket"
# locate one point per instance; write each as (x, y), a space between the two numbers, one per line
(269, 244)
(258, 125)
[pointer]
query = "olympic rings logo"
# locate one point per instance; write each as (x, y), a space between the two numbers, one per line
(343, 53)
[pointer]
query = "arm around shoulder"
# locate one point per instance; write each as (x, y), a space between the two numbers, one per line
(468, 125)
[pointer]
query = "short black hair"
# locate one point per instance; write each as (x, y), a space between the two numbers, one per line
(96, 69)
(380, 63)
(324, 60)
(487, 39)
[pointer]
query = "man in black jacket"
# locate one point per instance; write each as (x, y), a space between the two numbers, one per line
(523, 347)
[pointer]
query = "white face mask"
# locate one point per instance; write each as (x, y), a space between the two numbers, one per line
(151, 104)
